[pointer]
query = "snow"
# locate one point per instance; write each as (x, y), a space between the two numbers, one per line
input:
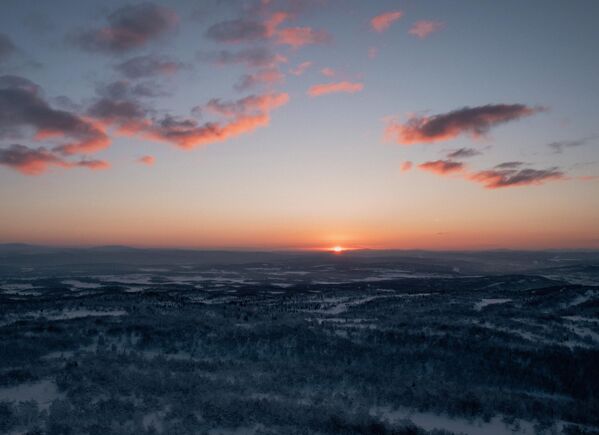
(43, 392)
(486, 302)
(79, 284)
(430, 421)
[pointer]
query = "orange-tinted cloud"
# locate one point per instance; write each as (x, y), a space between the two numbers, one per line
(498, 178)
(266, 76)
(475, 121)
(299, 36)
(21, 105)
(422, 29)
(301, 68)
(406, 166)
(328, 72)
(35, 161)
(242, 116)
(329, 88)
(381, 22)
(147, 160)
(244, 30)
(442, 167)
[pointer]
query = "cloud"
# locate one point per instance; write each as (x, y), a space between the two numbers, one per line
(299, 36)
(559, 146)
(328, 88)
(328, 72)
(406, 166)
(373, 52)
(126, 114)
(267, 76)
(7, 48)
(147, 160)
(422, 29)
(495, 179)
(442, 167)
(243, 30)
(301, 68)
(97, 165)
(475, 121)
(237, 31)
(35, 161)
(129, 28)
(507, 174)
(241, 116)
(21, 106)
(463, 153)
(251, 57)
(509, 165)
(382, 22)
(147, 66)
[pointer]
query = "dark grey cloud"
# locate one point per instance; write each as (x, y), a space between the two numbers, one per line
(148, 66)
(559, 146)
(21, 106)
(445, 126)
(237, 31)
(128, 28)
(117, 111)
(34, 161)
(463, 153)
(495, 179)
(7, 47)
(509, 165)
(252, 57)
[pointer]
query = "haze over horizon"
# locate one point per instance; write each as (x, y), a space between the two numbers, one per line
(300, 124)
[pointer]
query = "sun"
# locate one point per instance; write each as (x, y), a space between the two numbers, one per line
(337, 249)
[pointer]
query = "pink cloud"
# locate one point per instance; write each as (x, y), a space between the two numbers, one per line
(373, 52)
(328, 72)
(301, 68)
(329, 88)
(442, 167)
(406, 166)
(422, 29)
(299, 36)
(147, 160)
(381, 22)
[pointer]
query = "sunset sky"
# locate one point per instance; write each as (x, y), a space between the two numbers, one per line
(294, 124)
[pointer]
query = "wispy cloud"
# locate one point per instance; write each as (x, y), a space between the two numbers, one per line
(301, 68)
(7, 47)
(463, 153)
(423, 29)
(559, 146)
(330, 88)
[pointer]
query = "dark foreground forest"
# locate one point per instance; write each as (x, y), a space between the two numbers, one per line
(400, 343)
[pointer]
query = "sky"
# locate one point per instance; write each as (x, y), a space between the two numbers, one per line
(300, 124)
